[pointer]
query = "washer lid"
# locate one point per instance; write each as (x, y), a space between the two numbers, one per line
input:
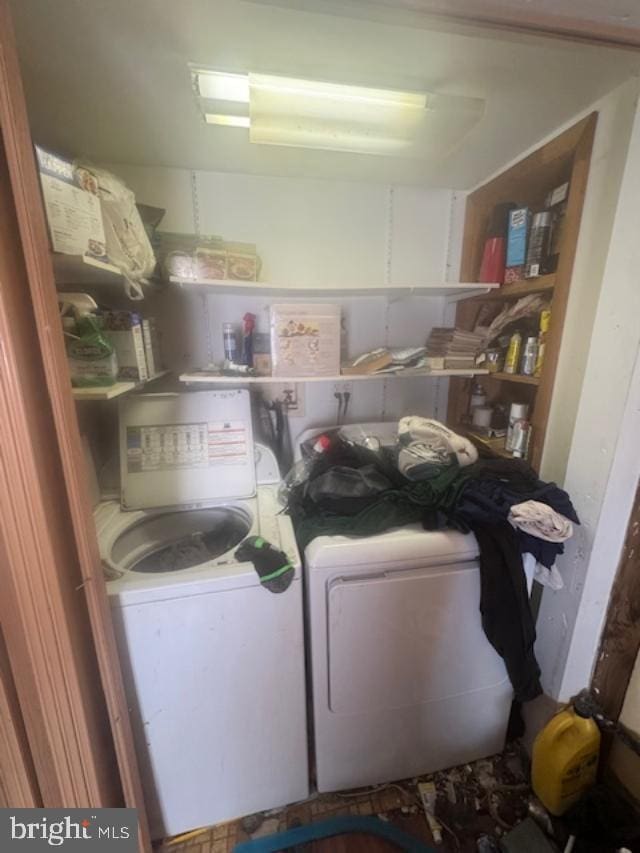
(193, 448)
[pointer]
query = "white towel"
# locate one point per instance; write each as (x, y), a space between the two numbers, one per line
(541, 520)
(427, 430)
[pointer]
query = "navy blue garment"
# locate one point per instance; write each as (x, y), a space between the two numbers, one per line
(493, 486)
(504, 606)
(544, 552)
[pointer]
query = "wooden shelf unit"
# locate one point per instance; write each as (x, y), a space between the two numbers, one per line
(518, 289)
(564, 158)
(515, 377)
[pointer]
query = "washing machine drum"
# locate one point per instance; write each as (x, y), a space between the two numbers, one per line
(171, 541)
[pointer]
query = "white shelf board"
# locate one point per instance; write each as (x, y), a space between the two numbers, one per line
(83, 270)
(451, 290)
(108, 392)
(210, 378)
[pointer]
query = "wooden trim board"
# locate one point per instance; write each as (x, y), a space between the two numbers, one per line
(18, 780)
(58, 608)
(620, 641)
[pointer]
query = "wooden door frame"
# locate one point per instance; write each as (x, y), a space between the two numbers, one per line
(620, 640)
(18, 780)
(48, 529)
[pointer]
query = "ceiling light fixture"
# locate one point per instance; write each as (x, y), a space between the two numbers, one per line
(227, 120)
(333, 116)
(221, 86)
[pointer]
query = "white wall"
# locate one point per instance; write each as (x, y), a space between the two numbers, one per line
(604, 463)
(616, 113)
(594, 412)
(314, 233)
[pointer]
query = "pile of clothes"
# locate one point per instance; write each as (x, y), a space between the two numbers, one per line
(434, 477)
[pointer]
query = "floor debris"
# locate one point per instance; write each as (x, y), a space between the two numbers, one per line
(474, 802)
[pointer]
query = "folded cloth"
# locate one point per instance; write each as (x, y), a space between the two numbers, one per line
(427, 447)
(424, 460)
(539, 519)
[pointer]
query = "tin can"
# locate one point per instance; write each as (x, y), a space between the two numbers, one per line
(494, 361)
(521, 435)
(513, 353)
(529, 356)
(517, 412)
(230, 341)
(545, 322)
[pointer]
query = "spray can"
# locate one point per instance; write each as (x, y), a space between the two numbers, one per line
(545, 322)
(513, 353)
(517, 412)
(529, 356)
(230, 342)
(520, 436)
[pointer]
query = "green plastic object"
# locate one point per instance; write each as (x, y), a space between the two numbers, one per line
(92, 358)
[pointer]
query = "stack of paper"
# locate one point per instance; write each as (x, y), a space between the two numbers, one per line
(384, 360)
(451, 349)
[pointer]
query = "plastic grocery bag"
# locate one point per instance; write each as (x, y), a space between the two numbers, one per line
(128, 245)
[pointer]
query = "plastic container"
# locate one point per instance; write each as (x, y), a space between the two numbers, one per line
(518, 411)
(545, 322)
(565, 760)
(300, 471)
(230, 342)
(512, 359)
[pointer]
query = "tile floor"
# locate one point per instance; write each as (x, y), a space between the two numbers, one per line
(488, 796)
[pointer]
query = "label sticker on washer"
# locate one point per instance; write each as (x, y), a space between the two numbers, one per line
(183, 446)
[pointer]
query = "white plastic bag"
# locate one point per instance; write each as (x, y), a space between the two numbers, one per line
(128, 246)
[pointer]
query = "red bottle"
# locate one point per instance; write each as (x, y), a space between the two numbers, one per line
(495, 246)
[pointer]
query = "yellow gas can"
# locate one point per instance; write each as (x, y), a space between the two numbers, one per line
(565, 760)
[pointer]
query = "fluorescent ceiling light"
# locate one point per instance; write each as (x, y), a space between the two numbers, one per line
(221, 86)
(334, 116)
(228, 121)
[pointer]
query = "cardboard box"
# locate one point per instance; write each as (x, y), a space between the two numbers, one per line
(519, 222)
(125, 330)
(305, 339)
(73, 210)
(151, 342)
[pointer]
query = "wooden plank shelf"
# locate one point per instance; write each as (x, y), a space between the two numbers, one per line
(516, 377)
(518, 289)
(494, 446)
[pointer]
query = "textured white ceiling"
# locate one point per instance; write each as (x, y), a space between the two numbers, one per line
(108, 79)
(616, 20)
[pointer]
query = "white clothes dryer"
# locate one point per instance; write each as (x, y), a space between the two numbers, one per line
(404, 681)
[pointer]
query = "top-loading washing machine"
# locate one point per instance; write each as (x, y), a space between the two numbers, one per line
(213, 661)
(404, 681)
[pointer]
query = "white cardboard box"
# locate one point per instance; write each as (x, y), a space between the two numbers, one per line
(125, 330)
(73, 213)
(305, 339)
